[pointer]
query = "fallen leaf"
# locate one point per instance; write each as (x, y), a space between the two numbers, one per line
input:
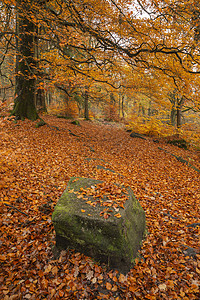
(162, 287)
(122, 278)
(89, 275)
(118, 215)
(108, 286)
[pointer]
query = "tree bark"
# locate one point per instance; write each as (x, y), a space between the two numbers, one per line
(179, 107)
(39, 92)
(40, 100)
(86, 108)
(123, 98)
(24, 106)
(149, 109)
(178, 117)
(173, 98)
(173, 116)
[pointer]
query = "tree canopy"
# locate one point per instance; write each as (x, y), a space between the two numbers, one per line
(77, 41)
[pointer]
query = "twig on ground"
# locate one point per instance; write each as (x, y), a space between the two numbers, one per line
(13, 207)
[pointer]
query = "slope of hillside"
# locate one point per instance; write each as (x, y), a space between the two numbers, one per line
(35, 166)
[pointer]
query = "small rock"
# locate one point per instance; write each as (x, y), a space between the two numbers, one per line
(137, 135)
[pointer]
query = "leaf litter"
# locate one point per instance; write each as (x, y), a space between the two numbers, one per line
(35, 166)
(104, 194)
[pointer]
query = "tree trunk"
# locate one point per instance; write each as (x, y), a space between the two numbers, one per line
(39, 92)
(141, 110)
(173, 116)
(24, 106)
(178, 117)
(149, 109)
(173, 98)
(123, 115)
(40, 100)
(86, 110)
(179, 107)
(119, 105)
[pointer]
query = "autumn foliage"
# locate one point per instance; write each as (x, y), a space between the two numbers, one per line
(136, 61)
(145, 48)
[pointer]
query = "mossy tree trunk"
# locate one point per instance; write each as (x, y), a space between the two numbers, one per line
(24, 106)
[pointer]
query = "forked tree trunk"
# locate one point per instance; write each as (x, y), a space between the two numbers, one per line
(24, 106)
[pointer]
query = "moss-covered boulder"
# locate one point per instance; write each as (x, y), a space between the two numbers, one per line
(97, 226)
(181, 143)
(76, 122)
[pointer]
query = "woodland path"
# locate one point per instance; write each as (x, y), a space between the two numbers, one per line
(35, 166)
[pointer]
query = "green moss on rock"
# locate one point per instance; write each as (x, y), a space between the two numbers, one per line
(181, 143)
(114, 241)
(76, 122)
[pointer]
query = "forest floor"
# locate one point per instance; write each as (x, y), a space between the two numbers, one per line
(35, 166)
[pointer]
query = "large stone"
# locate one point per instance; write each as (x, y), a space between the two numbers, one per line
(80, 226)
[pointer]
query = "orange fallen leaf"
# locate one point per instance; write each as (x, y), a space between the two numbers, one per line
(48, 269)
(41, 273)
(132, 289)
(122, 278)
(61, 293)
(54, 270)
(118, 215)
(197, 270)
(114, 289)
(108, 286)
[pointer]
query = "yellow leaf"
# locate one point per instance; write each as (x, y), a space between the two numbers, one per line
(197, 270)
(118, 215)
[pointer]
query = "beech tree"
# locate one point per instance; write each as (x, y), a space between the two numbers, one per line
(24, 106)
